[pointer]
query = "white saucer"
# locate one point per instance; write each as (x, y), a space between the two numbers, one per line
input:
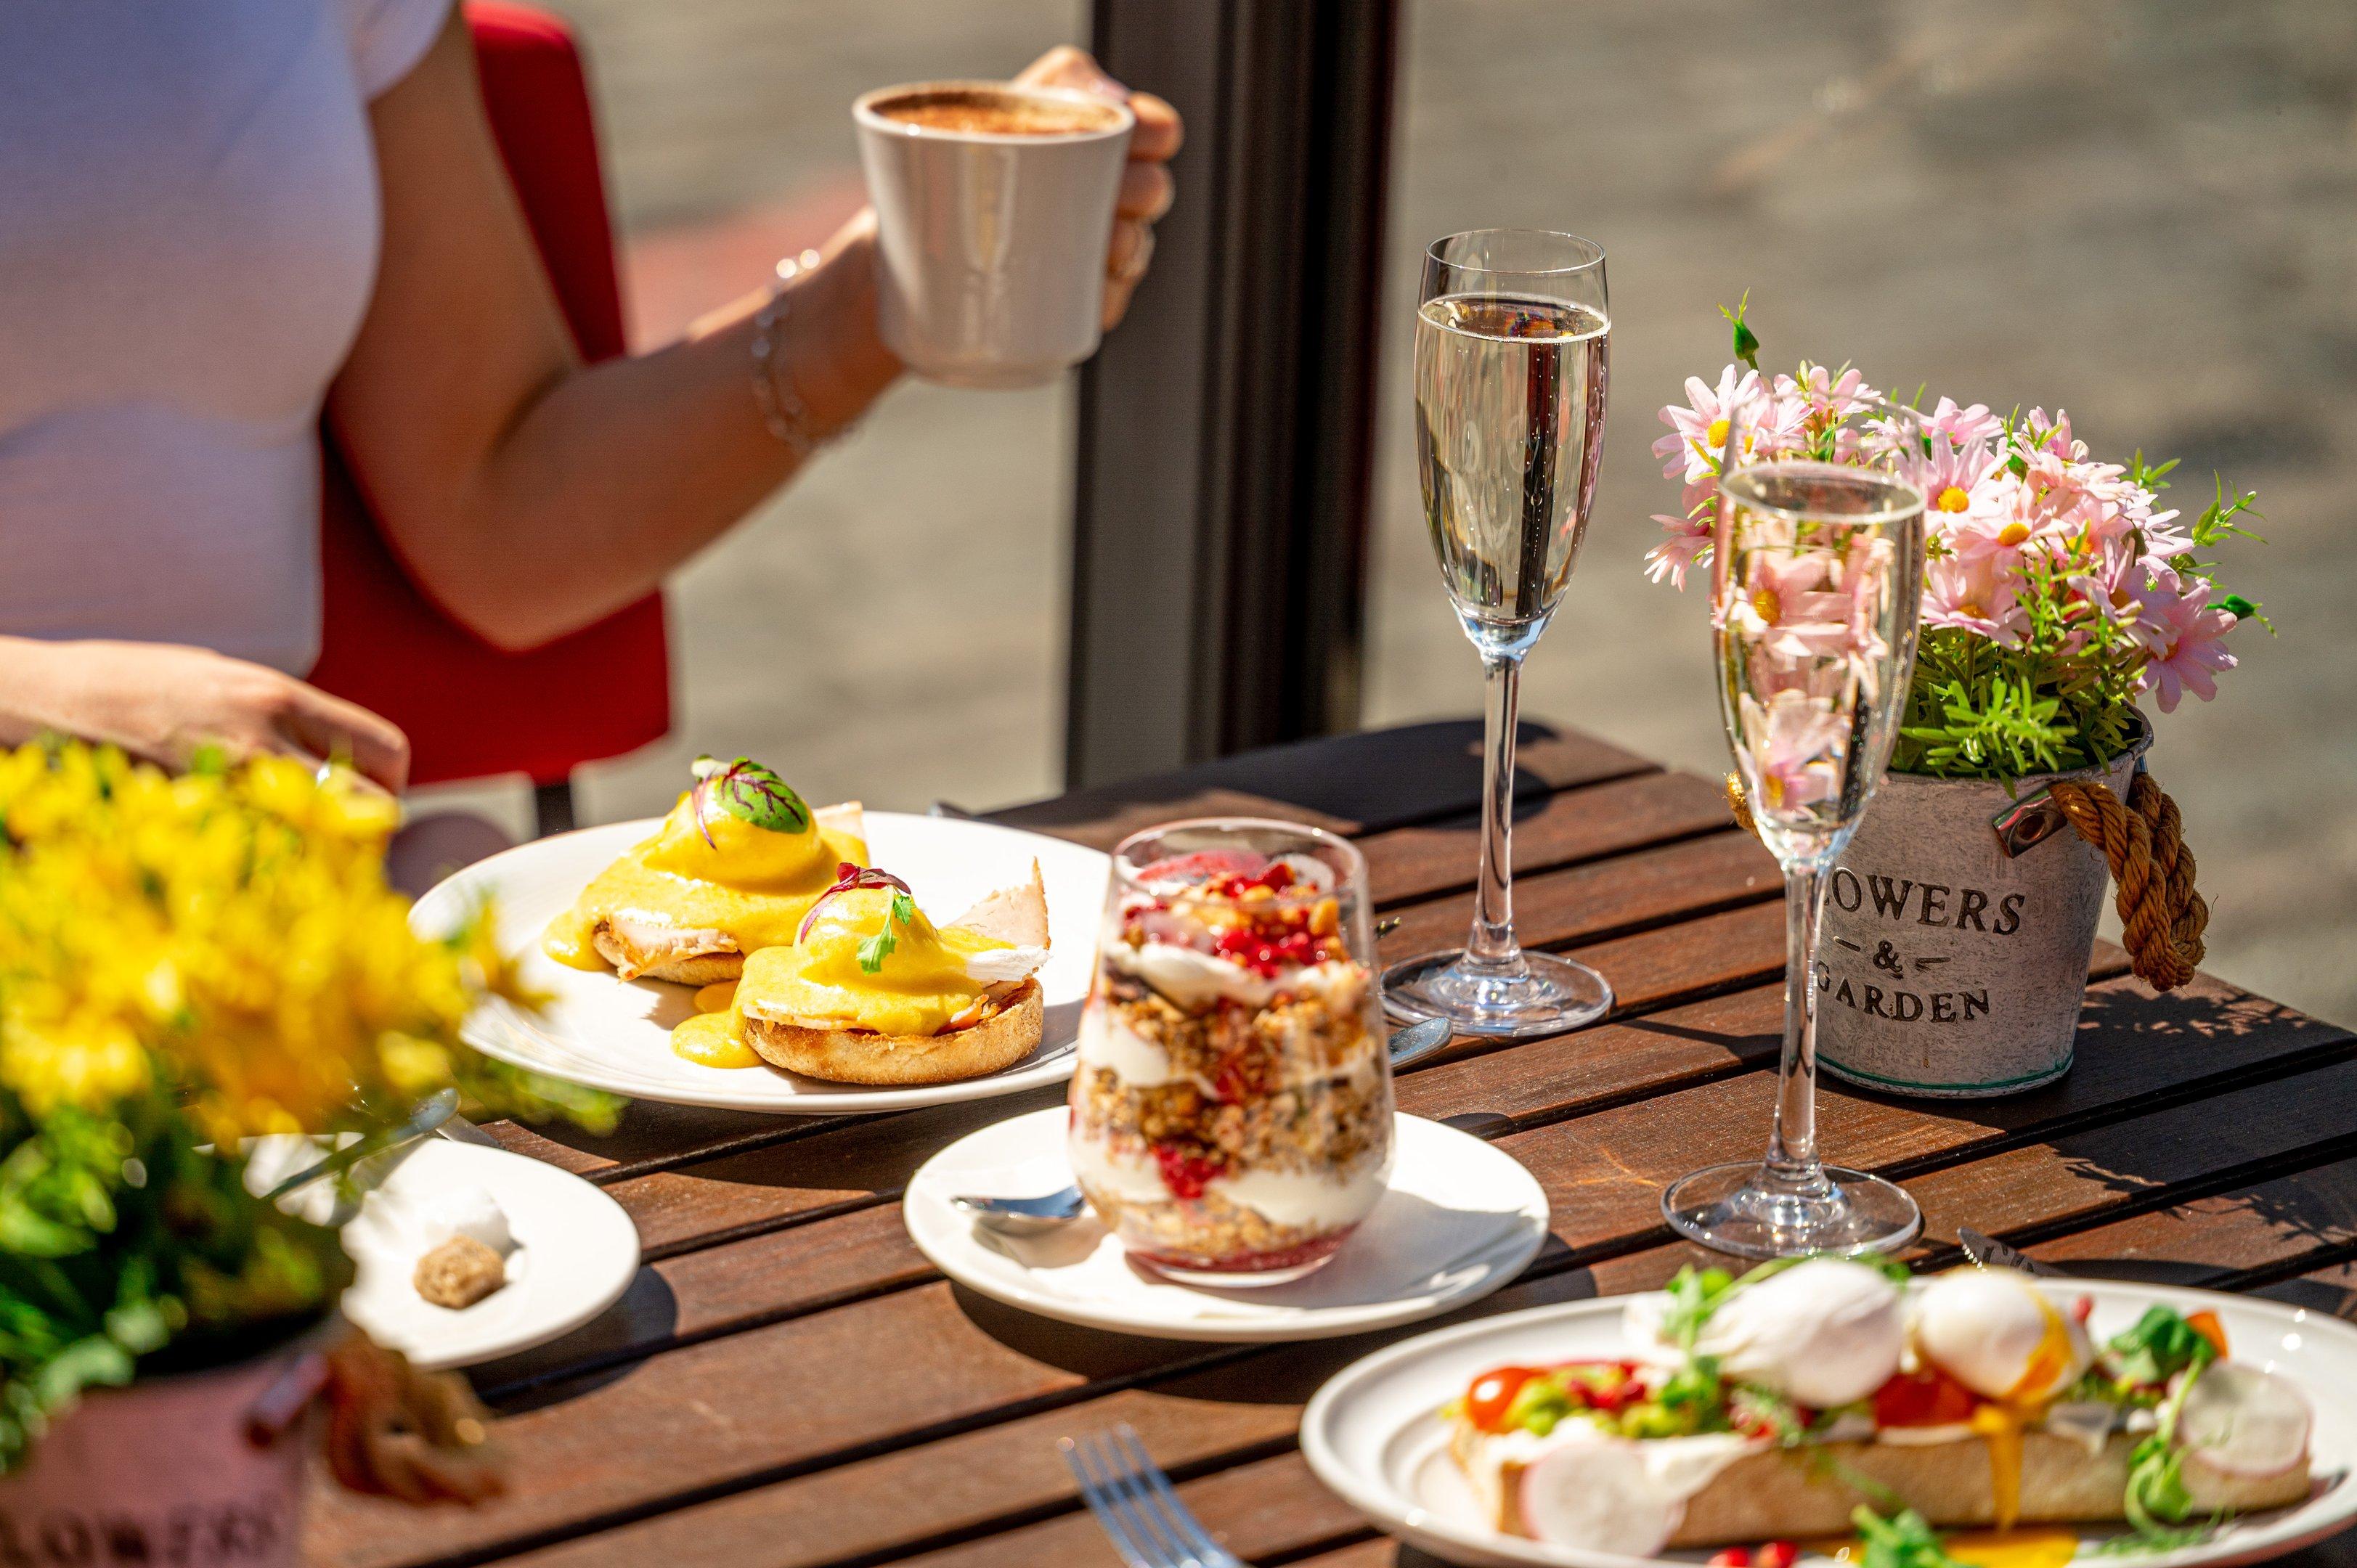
(576, 1252)
(1460, 1219)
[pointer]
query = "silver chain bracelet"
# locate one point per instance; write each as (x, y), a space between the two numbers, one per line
(783, 409)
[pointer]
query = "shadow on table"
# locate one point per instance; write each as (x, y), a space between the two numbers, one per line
(2100, 1120)
(1289, 1378)
(1354, 783)
(598, 1352)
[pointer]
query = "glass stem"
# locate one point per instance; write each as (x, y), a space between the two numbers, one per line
(1492, 943)
(1792, 1138)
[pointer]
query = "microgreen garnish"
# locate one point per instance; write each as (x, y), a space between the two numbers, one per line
(748, 791)
(1903, 1541)
(847, 876)
(877, 947)
(2162, 1345)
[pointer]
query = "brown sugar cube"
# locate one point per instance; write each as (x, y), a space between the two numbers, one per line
(459, 1273)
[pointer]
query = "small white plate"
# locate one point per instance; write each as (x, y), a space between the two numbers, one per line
(1374, 1435)
(613, 1034)
(576, 1252)
(1459, 1219)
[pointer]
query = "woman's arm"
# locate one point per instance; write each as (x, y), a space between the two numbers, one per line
(530, 495)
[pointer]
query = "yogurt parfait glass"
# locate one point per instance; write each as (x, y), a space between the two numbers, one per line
(1231, 1111)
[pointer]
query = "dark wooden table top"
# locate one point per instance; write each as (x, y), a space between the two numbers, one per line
(788, 1383)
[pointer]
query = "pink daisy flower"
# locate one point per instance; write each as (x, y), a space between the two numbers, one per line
(1973, 596)
(2193, 651)
(1791, 608)
(1963, 426)
(1699, 433)
(1793, 743)
(1824, 395)
(1956, 478)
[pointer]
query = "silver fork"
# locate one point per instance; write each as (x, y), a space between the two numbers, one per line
(1134, 1502)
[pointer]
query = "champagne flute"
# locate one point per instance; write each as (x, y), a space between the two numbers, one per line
(1512, 339)
(1815, 578)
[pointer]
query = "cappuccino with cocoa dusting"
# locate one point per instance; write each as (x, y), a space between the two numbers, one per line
(980, 112)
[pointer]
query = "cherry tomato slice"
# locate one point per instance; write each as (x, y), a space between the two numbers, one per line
(2206, 1324)
(1776, 1555)
(1492, 1392)
(1925, 1398)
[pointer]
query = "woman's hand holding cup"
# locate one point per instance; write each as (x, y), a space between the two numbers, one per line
(1146, 189)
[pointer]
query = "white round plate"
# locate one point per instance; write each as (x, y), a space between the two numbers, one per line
(1373, 1433)
(576, 1253)
(615, 1034)
(1460, 1218)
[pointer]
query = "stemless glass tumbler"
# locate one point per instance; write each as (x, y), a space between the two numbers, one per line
(1513, 342)
(1231, 1111)
(1816, 579)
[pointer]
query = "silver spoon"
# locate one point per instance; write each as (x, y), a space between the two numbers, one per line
(1034, 1215)
(431, 1113)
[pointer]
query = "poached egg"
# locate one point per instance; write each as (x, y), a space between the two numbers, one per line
(711, 880)
(1825, 1333)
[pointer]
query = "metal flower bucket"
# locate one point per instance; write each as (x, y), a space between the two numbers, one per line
(195, 1468)
(1958, 926)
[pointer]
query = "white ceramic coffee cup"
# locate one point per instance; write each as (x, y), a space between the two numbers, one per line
(992, 266)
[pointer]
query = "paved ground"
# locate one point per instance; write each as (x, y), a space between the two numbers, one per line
(2144, 211)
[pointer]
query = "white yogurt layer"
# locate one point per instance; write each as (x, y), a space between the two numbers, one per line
(1189, 978)
(1193, 979)
(1108, 1042)
(1310, 1202)
(1095, 1165)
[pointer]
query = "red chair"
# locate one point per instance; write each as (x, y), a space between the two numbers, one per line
(471, 710)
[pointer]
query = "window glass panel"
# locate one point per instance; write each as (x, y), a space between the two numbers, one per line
(891, 627)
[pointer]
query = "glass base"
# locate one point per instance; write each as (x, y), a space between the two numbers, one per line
(1245, 1273)
(1739, 1209)
(1534, 994)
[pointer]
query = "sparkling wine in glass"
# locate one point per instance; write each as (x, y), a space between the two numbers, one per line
(1512, 339)
(1816, 574)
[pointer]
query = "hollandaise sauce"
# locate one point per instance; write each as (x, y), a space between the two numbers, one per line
(751, 883)
(711, 1037)
(863, 966)
(2030, 1546)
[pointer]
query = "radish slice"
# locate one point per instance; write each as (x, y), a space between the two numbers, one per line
(1599, 1495)
(1613, 1494)
(2244, 1421)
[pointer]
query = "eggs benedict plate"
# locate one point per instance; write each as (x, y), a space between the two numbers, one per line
(633, 930)
(1826, 1411)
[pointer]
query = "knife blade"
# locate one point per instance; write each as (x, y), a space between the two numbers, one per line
(1991, 1253)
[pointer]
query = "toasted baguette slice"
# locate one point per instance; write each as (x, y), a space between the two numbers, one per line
(862, 1056)
(641, 950)
(1784, 1494)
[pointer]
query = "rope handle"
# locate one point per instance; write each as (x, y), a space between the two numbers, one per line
(2143, 842)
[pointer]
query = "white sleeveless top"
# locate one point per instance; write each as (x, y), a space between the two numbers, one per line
(188, 228)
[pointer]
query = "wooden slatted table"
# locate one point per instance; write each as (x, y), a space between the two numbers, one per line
(788, 1384)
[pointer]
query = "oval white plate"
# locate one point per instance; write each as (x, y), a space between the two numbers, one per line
(1373, 1433)
(615, 1034)
(576, 1252)
(1460, 1219)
